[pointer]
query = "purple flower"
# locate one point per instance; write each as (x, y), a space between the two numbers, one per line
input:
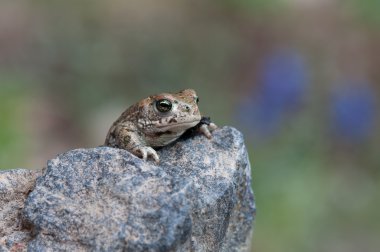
(353, 111)
(283, 79)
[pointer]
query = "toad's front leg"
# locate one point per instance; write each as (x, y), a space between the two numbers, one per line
(206, 126)
(129, 138)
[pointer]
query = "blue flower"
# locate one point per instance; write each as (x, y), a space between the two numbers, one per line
(353, 110)
(282, 81)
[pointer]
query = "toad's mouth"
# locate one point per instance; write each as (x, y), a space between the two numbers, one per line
(176, 124)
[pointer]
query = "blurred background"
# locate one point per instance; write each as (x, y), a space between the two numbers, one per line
(300, 79)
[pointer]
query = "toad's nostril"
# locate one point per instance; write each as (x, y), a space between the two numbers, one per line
(187, 108)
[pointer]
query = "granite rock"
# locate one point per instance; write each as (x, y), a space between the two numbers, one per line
(15, 186)
(198, 198)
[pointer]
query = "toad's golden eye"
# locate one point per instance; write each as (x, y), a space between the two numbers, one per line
(164, 105)
(197, 99)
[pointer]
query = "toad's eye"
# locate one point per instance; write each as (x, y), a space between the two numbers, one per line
(164, 105)
(197, 99)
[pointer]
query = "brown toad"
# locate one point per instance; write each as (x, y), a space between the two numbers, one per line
(157, 121)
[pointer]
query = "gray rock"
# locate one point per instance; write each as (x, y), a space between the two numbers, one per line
(103, 199)
(15, 186)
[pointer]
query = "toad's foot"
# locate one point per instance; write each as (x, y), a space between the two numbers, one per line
(206, 129)
(144, 152)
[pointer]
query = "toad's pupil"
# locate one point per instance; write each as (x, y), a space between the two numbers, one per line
(164, 105)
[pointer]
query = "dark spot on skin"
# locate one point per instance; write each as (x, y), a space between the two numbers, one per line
(126, 140)
(172, 120)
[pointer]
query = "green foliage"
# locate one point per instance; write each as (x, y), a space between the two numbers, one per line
(254, 5)
(368, 10)
(12, 138)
